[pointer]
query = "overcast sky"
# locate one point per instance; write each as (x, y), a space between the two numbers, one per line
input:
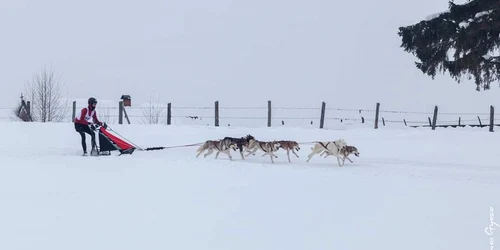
(243, 53)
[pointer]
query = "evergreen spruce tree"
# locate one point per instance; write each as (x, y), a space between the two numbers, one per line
(463, 41)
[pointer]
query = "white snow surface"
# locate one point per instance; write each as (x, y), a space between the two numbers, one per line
(432, 16)
(464, 24)
(409, 189)
(482, 13)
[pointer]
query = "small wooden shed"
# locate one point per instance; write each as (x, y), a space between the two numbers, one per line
(127, 101)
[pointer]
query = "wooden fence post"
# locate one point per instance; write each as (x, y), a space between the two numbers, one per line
(74, 111)
(383, 121)
(269, 113)
(459, 121)
(120, 112)
(376, 115)
(480, 123)
(434, 117)
(216, 113)
(169, 113)
(28, 110)
(430, 122)
(492, 117)
(322, 118)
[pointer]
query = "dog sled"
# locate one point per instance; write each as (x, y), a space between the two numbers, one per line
(110, 141)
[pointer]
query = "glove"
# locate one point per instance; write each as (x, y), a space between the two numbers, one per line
(105, 125)
(92, 127)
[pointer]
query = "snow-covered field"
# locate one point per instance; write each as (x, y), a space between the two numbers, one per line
(409, 189)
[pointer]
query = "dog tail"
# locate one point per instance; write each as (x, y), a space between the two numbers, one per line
(201, 147)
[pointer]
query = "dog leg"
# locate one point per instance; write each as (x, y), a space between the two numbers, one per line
(314, 152)
(326, 153)
(210, 151)
(275, 156)
(267, 154)
(288, 154)
(249, 152)
(295, 153)
(349, 159)
(240, 147)
(217, 154)
(199, 153)
(310, 156)
(264, 154)
(228, 152)
(252, 152)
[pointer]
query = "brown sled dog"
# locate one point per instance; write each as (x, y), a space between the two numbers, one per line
(288, 146)
(224, 146)
(268, 147)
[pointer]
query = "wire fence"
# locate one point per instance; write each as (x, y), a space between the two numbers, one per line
(268, 115)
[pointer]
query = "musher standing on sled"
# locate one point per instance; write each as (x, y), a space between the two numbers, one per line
(82, 122)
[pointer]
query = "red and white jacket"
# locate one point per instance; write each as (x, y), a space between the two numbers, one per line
(87, 116)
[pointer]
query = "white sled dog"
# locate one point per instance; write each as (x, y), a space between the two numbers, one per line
(332, 147)
(224, 146)
(268, 147)
(344, 153)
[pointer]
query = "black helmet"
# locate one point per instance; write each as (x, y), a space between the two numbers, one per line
(92, 100)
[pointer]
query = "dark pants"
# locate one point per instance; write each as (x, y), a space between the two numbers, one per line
(82, 129)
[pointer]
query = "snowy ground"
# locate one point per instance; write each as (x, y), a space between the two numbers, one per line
(410, 189)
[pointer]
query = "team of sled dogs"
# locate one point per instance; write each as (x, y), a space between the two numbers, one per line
(337, 148)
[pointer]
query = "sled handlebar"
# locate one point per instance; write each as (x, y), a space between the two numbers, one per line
(95, 126)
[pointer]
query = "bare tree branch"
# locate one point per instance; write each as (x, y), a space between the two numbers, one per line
(47, 102)
(153, 112)
(105, 114)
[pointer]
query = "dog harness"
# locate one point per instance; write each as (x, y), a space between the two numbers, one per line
(325, 146)
(260, 145)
